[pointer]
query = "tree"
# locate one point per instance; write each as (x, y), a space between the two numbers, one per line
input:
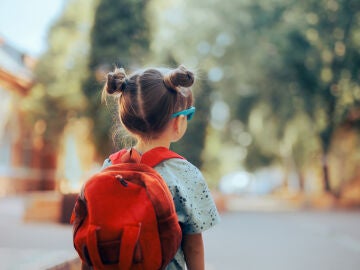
(327, 70)
(120, 37)
(305, 66)
(284, 64)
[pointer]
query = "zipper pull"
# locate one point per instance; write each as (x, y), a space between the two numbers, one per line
(121, 180)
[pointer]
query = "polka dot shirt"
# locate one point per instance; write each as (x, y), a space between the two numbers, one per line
(195, 207)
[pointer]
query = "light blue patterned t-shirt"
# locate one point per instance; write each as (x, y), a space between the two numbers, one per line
(195, 207)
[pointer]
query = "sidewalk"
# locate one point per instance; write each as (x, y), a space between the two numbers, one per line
(29, 245)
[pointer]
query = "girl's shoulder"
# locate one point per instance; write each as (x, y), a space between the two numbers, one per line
(180, 172)
(182, 165)
(195, 206)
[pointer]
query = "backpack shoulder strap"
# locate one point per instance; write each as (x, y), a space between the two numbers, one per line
(115, 158)
(151, 158)
(158, 155)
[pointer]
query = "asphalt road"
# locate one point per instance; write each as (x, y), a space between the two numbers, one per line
(285, 241)
(243, 240)
(30, 246)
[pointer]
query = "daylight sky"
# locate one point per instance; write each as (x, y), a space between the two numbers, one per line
(24, 23)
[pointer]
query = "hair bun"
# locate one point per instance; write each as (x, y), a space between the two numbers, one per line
(180, 76)
(116, 81)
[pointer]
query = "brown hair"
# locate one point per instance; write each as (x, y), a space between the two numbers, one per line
(148, 98)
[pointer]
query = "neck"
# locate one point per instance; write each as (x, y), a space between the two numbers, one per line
(144, 146)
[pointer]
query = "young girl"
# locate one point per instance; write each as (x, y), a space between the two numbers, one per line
(154, 106)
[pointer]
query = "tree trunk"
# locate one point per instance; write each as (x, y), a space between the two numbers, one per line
(326, 178)
(301, 181)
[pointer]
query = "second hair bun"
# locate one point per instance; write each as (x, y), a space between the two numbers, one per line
(179, 77)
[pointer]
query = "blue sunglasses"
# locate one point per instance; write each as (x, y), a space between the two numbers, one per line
(189, 113)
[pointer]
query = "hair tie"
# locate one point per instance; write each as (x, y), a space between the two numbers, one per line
(124, 84)
(111, 83)
(169, 84)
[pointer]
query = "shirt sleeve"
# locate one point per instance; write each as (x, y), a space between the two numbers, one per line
(107, 163)
(194, 204)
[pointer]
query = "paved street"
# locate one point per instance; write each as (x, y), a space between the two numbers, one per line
(30, 246)
(243, 240)
(285, 241)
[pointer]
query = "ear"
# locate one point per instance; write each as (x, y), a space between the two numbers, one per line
(178, 128)
(177, 124)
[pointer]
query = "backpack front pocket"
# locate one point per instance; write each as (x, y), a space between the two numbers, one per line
(123, 251)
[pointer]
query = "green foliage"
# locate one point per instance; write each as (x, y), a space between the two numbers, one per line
(327, 54)
(288, 70)
(313, 54)
(119, 37)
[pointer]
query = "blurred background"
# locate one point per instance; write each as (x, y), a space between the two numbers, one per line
(276, 133)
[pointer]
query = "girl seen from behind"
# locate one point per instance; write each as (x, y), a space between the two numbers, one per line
(154, 106)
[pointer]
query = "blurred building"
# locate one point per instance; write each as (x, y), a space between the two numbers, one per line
(16, 79)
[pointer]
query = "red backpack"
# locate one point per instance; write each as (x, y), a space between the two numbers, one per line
(126, 217)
